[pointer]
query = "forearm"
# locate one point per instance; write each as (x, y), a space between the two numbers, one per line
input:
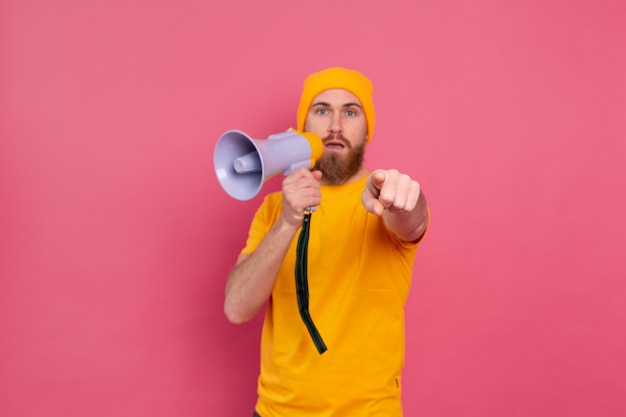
(250, 282)
(408, 226)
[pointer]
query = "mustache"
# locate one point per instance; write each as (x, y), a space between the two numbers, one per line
(336, 137)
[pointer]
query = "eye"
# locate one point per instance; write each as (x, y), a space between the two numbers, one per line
(322, 111)
(350, 113)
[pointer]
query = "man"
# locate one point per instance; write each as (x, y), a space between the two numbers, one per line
(362, 242)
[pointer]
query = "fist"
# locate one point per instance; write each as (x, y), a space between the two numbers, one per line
(301, 189)
(390, 190)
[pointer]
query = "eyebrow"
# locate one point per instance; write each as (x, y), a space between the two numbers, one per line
(350, 104)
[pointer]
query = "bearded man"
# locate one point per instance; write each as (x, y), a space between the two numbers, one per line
(362, 243)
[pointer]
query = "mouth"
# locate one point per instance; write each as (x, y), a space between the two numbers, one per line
(334, 145)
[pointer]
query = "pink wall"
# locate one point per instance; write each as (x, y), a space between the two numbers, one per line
(116, 238)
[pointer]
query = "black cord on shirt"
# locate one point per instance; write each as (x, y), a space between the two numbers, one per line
(302, 284)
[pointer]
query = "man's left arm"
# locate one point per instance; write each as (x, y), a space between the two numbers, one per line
(399, 200)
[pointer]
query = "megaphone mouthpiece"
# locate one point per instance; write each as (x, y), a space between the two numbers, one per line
(250, 162)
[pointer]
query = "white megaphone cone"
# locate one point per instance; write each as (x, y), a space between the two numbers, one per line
(243, 164)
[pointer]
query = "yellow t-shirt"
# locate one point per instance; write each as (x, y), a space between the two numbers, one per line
(359, 276)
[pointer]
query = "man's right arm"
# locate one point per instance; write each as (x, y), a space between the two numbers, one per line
(250, 282)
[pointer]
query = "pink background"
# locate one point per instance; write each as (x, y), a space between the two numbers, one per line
(116, 237)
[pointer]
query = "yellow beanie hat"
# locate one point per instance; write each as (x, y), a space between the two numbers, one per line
(346, 79)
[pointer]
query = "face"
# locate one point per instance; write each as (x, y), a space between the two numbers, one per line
(337, 117)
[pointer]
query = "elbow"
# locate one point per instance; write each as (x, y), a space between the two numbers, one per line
(235, 316)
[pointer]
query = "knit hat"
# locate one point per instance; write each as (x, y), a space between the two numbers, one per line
(346, 79)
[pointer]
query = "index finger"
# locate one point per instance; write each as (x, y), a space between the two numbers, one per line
(377, 179)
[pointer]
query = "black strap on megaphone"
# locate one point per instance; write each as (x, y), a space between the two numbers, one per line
(302, 283)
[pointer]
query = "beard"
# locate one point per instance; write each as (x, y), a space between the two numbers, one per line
(337, 169)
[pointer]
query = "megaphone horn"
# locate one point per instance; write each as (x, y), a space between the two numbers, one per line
(243, 164)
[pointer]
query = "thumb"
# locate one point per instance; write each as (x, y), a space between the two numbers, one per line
(317, 175)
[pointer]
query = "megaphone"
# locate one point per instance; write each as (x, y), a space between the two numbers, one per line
(243, 164)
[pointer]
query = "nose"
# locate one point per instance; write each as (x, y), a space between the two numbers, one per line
(336, 127)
